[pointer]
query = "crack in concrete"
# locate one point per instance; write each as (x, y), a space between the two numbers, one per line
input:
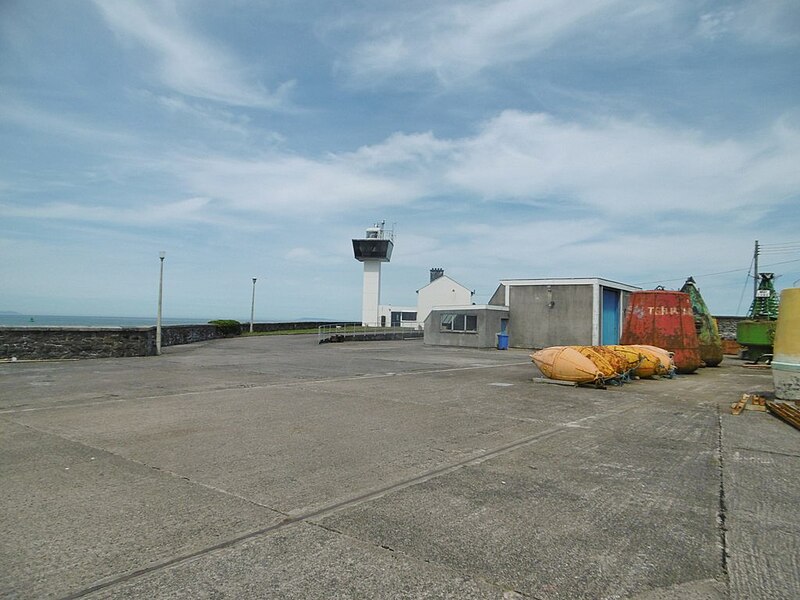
(722, 509)
(98, 450)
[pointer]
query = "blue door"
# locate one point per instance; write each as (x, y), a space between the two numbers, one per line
(610, 317)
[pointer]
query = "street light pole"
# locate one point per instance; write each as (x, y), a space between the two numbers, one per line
(253, 305)
(161, 256)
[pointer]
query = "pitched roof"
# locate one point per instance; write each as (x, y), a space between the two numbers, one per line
(444, 277)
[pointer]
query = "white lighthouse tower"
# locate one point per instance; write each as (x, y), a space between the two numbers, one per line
(372, 250)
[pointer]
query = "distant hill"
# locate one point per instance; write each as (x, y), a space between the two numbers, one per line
(9, 312)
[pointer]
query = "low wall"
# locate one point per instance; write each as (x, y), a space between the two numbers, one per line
(32, 343)
(25, 343)
(410, 334)
(175, 335)
(292, 325)
(727, 326)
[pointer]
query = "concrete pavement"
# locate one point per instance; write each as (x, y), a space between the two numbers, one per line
(274, 467)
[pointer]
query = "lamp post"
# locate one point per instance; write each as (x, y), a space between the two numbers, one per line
(161, 256)
(253, 305)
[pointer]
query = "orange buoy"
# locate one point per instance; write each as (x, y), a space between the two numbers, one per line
(565, 363)
(663, 319)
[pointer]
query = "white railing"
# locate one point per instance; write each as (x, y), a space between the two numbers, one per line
(352, 331)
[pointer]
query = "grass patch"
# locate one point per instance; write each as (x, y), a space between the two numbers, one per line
(281, 332)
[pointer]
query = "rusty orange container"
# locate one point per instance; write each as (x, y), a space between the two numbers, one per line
(665, 319)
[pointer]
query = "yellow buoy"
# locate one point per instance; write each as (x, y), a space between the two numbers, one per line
(617, 362)
(632, 357)
(786, 349)
(659, 359)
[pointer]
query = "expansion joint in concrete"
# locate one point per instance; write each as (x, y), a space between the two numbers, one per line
(722, 509)
(765, 451)
(312, 517)
(166, 472)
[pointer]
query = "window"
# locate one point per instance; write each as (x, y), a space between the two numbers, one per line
(459, 322)
(400, 317)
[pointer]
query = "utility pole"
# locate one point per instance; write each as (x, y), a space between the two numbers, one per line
(755, 274)
(253, 305)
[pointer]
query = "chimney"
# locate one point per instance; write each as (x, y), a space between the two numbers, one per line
(436, 272)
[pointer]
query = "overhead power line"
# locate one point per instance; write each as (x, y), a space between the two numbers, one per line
(719, 272)
(781, 251)
(783, 262)
(744, 287)
(779, 244)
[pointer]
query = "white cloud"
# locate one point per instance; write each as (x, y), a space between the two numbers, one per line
(714, 24)
(617, 167)
(188, 210)
(208, 117)
(66, 125)
(287, 185)
(315, 256)
(188, 63)
(612, 168)
(453, 40)
(403, 150)
(771, 22)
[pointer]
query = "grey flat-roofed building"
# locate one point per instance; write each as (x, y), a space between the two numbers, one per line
(471, 325)
(563, 311)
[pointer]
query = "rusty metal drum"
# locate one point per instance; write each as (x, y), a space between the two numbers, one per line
(786, 352)
(664, 319)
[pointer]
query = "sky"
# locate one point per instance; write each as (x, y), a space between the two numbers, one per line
(635, 140)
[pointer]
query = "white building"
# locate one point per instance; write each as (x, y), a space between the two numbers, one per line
(392, 315)
(441, 291)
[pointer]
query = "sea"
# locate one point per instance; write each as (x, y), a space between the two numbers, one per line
(20, 320)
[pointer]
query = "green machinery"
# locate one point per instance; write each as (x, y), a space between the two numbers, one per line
(757, 332)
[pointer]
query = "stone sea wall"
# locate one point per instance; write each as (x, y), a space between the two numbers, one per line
(26, 343)
(32, 343)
